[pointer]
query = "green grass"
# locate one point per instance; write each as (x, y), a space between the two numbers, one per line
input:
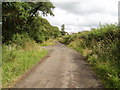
(101, 46)
(17, 61)
(49, 42)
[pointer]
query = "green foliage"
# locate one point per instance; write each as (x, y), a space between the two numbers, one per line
(42, 30)
(21, 39)
(17, 62)
(102, 48)
(44, 7)
(63, 29)
(8, 54)
(48, 42)
(22, 28)
(67, 39)
(23, 17)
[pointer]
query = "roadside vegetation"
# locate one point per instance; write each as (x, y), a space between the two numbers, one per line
(101, 46)
(23, 31)
(49, 42)
(17, 60)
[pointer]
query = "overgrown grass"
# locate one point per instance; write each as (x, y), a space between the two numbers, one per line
(18, 57)
(49, 42)
(17, 62)
(101, 46)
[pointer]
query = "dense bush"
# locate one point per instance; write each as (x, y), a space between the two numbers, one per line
(42, 30)
(102, 48)
(23, 17)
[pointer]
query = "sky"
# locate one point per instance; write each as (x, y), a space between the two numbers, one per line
(81, 15)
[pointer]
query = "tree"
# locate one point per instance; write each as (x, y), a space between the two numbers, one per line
(63, 29)
(20, 17)
(44, 7)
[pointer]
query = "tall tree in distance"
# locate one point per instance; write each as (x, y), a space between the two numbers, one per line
(63, 29)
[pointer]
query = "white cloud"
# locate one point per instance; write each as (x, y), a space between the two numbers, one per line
(82, 14)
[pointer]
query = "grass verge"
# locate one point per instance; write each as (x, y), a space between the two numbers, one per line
(17, 62)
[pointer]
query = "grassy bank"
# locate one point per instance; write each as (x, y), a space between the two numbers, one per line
(18, 57)
(101, 46)
(49, 42)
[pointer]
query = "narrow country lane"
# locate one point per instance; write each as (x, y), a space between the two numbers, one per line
(64, 68)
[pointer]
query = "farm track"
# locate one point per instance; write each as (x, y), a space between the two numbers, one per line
(63, 68)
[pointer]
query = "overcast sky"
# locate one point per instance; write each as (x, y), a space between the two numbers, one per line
(80, 15)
